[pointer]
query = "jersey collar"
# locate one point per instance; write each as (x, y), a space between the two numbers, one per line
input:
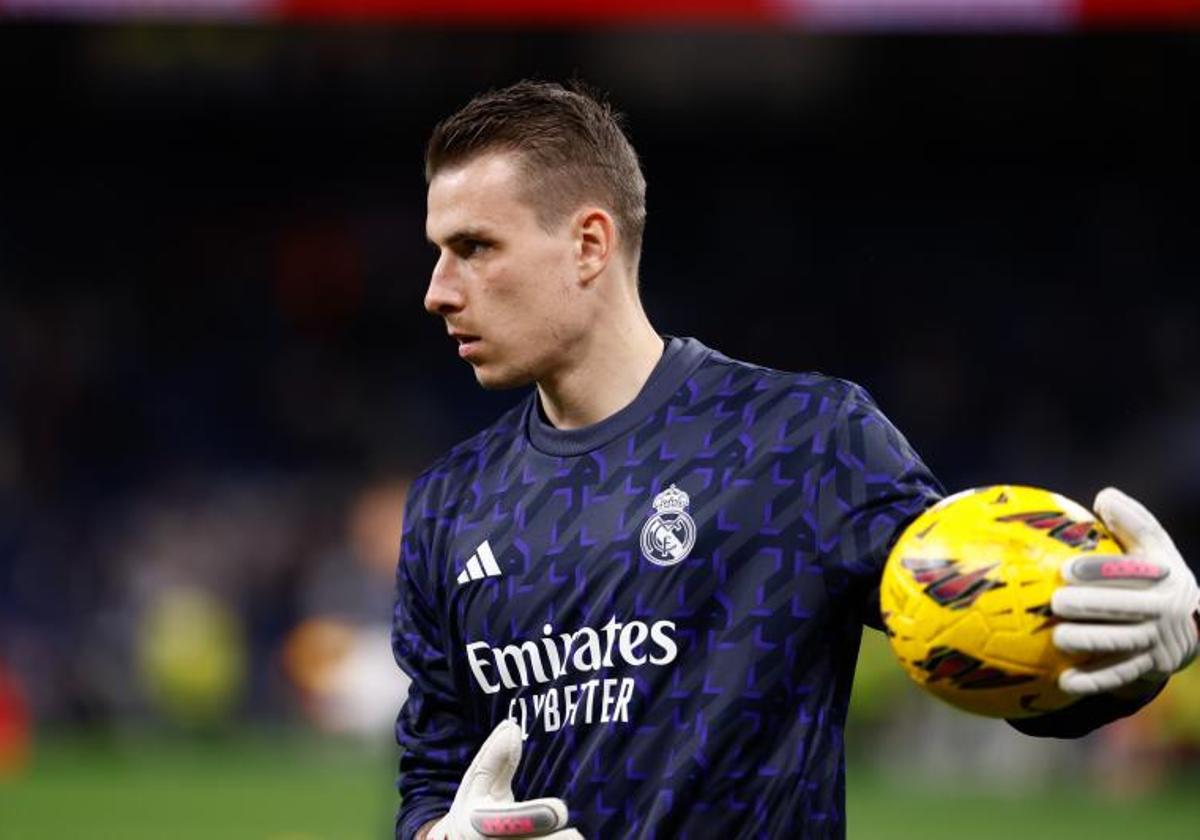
(680, 358)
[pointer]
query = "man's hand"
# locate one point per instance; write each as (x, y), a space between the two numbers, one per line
(484, 805)
(1142, 608)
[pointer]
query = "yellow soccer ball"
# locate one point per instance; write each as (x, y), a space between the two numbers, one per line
(966, 594)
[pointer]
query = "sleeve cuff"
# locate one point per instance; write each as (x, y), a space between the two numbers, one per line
(1086, 715)
(409, 821)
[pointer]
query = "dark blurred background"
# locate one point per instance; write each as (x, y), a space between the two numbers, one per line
(216, 376)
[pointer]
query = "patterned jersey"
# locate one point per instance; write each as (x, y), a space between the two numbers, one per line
(669, 602)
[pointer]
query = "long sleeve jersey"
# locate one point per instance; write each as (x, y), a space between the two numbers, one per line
(669, 602)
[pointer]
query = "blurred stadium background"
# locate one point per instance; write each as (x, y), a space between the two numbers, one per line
(216, 378)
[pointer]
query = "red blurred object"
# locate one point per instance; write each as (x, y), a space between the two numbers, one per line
(319, 276)
(15, 725)
(1140, 11)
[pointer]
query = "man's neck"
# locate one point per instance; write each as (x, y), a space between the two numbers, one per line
(611, 371)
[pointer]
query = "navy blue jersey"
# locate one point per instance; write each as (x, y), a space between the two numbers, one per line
(669, 602)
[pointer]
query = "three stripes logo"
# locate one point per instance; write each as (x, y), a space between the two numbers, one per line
(481, 564)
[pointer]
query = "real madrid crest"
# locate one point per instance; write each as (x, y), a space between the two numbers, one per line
(668, 536)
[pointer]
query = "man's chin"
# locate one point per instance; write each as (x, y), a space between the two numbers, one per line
(492, 378)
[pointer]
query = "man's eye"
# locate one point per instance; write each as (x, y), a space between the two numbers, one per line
(472, 247)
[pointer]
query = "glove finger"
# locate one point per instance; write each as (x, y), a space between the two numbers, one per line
(490, 773)
(1129, 520)
(1125, 570)
(534, 817)
(1106, 603)
(1105, 638)
(1108, 678)
(568, 834)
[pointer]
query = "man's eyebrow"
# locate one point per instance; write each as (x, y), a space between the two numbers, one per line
(461, 235)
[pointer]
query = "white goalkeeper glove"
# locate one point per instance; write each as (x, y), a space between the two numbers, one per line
(1142, 608)
(484, 805)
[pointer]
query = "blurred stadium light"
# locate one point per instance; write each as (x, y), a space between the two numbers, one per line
(180, 10)
(849, 14)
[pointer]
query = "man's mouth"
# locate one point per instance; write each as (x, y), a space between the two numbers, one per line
(467, 343)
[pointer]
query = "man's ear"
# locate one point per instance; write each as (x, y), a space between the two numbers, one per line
(596, 242)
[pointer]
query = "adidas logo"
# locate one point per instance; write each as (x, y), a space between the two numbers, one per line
(480, 565)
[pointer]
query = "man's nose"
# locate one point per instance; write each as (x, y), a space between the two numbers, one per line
(444, 295)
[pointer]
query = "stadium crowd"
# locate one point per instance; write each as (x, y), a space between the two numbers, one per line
(216, 378)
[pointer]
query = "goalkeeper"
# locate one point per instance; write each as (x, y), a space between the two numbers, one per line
(632, 606)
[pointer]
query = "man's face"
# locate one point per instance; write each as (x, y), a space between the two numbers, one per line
(506, 288)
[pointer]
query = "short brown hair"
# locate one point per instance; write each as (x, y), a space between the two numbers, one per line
(572, 145)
